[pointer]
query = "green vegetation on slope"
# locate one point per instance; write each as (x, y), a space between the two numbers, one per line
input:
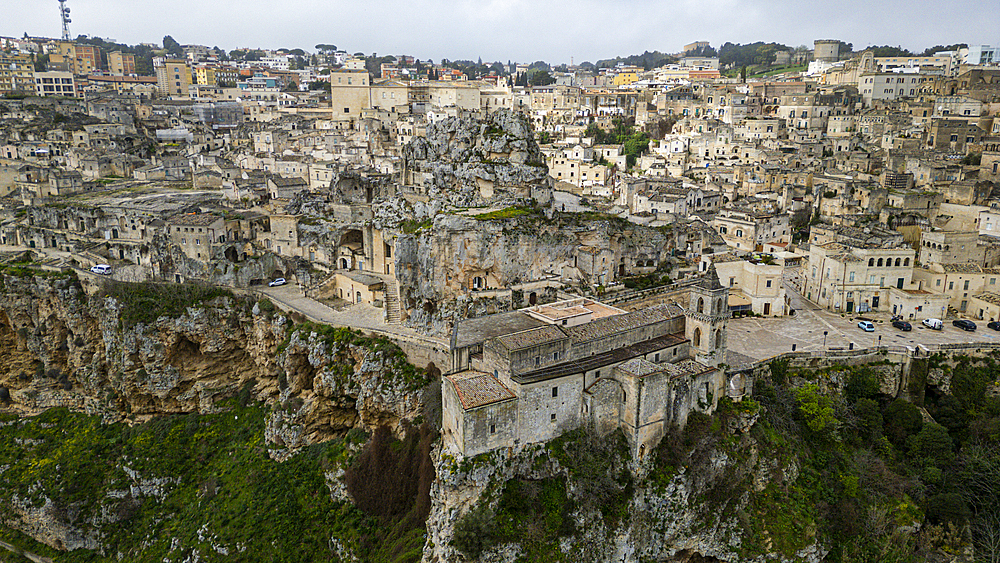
(870, 466)
(220, 492)
(539, 513)
(146, 302)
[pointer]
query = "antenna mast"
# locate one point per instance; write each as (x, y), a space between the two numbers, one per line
(64, 12)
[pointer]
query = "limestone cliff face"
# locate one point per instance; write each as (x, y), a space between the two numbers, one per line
(436, 267)
(64, 344)
(691, 513)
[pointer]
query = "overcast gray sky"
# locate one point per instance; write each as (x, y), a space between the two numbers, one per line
(518, 30)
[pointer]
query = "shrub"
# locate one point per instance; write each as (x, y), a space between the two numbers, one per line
(816, 409)
(862, 383)
(474, 532)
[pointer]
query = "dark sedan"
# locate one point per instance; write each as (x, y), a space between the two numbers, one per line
(902, 325)
(964, 324)
(994, 325)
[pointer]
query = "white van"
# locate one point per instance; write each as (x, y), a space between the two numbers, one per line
(936, 324)
(102, 269)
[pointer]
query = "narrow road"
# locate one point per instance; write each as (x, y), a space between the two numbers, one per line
(359, 315)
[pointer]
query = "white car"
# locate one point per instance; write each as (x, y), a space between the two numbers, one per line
(277, 282)
(936, 324)
(102, 269)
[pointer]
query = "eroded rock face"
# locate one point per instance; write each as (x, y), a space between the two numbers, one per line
(65, 345)
(436, 267)
(471, 162)
(667, 519)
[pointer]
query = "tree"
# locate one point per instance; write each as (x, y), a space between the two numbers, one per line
(888, 51)
(902, 420)
(933, 444)
(862, 383)
(939, 48)
(816, 409)
(538, 77)
(869, 420)
(172, 47)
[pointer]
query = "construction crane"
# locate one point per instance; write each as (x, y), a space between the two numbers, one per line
(64, 12)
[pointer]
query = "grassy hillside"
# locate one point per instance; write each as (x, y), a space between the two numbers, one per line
(204, 484)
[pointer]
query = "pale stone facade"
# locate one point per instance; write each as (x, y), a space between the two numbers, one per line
(528, 376)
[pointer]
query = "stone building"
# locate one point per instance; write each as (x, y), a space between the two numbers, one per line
(842, 278)
(197, 234)
(530, 375)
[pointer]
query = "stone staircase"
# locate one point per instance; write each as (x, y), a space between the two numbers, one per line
(392, 313)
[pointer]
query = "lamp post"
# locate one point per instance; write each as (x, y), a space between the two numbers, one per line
(825, 332)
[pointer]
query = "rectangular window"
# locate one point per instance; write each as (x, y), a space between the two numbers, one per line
(555, 391)
(951, 285)
(851, 278)
(938, 283)
(769, 281)
(966, 287)
(552, 417)
(493, 429)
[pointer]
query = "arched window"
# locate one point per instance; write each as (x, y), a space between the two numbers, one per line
(898, 262)
(871, 262)
(879, 262)
(697, 336)
(906, 262)
(718, 339)
(701, 305)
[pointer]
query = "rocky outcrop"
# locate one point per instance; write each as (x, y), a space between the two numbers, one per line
(678, 517)
(436, 267)
(470, 162)
(67, 345)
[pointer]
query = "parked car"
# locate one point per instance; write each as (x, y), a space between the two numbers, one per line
(277, 282)
(936, 324)
(902, 325)
(994, 325)
(964, 324)
(866, 326)
(102, 269)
